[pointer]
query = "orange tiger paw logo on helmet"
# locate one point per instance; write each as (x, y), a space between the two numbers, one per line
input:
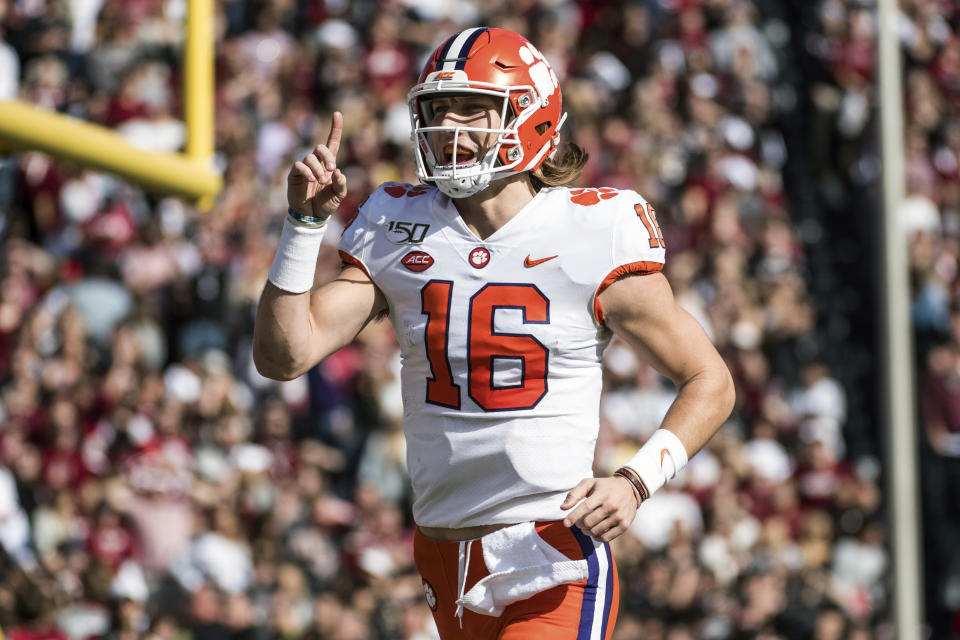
(587, 197)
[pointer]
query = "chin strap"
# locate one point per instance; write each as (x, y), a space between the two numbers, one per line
(556, 135)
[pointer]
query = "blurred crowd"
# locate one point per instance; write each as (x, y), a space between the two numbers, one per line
(153, 484)
(845, 100)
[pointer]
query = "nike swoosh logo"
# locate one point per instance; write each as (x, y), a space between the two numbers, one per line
(527, 262)
(663, 452)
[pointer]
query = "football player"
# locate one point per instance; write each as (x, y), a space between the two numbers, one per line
(503, 286)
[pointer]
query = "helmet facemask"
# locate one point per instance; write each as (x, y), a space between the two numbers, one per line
(504, 155)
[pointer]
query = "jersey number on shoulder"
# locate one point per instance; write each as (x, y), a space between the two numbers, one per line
(649, 219)
(485, 346)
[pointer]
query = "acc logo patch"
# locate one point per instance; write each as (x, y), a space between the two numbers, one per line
(402, 232)
(479, 258)
(430, 594)
(417, 261)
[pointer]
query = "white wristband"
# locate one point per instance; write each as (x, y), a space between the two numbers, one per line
(659, 460)
(295, 262)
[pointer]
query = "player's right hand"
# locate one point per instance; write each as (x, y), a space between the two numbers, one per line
(604, 507)
(315, 186)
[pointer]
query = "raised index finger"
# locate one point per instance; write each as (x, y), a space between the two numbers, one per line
(336, 128)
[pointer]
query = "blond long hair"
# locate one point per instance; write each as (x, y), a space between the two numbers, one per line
(563, 169)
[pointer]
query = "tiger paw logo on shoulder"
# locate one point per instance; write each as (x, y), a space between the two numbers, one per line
(589, 197)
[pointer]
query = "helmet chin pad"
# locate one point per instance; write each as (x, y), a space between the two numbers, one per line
(464, 181)
(463, 187)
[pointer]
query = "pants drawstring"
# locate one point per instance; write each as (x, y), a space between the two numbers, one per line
(463, 565)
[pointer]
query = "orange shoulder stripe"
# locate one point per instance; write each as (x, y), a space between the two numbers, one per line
(346, 258)
(643, 266)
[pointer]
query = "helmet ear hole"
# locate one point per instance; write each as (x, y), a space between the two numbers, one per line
(542, 127)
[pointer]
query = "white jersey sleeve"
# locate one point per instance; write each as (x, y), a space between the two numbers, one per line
(357, 244)
(354, 245)
(637, 241)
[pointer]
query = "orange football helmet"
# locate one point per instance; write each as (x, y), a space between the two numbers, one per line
(492, 62)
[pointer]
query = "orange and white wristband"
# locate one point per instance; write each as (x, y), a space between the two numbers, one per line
(295, 263)
(657, 462)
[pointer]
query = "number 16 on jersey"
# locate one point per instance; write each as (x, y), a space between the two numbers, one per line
(485, 346)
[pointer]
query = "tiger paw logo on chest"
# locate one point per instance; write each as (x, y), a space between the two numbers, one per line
(479, 258)
(588, 197)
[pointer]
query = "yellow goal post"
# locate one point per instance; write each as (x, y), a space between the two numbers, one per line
(190, 174)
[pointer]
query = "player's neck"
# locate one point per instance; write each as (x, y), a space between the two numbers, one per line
(496, 205)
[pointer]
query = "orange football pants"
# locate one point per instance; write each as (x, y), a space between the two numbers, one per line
(585, 610)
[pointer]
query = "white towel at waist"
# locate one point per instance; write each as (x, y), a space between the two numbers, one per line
(521, 564)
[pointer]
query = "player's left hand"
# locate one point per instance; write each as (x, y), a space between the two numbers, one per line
(609, 508)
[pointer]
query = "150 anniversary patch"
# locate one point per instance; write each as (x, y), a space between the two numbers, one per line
(400, 232)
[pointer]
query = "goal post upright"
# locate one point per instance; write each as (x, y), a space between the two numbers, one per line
(191, 174)
(897, 349)
(198, 80)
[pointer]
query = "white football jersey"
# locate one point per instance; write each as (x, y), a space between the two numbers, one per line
(500, 340)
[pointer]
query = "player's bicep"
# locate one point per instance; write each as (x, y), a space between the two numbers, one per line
(342, 307)
(642, 310)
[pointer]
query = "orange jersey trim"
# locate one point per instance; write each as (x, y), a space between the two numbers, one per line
(643, 267)
(346, 258)
(350, 219)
